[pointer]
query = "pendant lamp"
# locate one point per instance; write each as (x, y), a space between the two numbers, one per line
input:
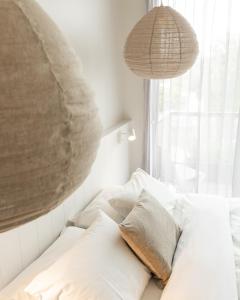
(50, 128)
(161, 45)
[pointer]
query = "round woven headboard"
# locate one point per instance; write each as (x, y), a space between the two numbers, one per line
(49, 125)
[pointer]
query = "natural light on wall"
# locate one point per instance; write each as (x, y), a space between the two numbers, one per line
(193, 133)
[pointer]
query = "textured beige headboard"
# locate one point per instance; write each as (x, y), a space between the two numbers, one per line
(49, 125)
(22, 245)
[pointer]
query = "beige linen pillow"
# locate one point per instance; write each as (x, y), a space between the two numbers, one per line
(152, 234)
(86, 217)
(124, 205)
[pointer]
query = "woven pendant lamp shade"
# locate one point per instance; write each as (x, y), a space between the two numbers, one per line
(49, 124)
(161, 45)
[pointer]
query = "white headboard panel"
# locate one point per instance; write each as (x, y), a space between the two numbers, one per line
(20, 246)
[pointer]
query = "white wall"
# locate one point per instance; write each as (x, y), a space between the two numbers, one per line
(98, 30)
(134, 107)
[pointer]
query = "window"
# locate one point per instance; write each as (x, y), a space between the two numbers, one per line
(193, 132)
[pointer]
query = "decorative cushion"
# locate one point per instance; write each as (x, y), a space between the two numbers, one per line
(123, 205)
(100, 266)
(49, 125)
(152, 234)
(86, 217)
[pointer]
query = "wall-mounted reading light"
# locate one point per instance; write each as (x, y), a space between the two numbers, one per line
(129, 135)
(132, 135)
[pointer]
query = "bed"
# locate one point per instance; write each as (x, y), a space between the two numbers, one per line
(207, 259)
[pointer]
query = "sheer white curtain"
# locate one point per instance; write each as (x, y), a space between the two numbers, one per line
(192, 132)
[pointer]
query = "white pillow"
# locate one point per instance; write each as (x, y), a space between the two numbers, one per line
(175, 204)
(141, 180)
(66, 241)
(100, 266)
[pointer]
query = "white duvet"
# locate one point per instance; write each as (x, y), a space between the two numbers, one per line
(204, 267)
(234, 204)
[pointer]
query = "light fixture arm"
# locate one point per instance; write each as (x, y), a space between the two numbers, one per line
(129, 135)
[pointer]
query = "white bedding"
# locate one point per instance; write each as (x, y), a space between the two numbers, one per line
(234, 204)
(204, 265)
(212, 277)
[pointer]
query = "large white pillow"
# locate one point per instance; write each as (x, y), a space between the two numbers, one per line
(99, 267)
(66, 241)
(142, 180)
